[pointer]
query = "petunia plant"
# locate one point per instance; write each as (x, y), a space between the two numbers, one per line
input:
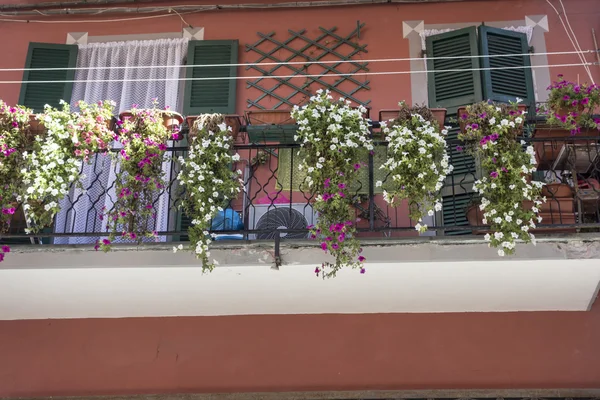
(334, 137)
(68, 139)
(15, 140)
(140, 176)
(509, 200)
(417, 163)
(209, 181)
(571, 105)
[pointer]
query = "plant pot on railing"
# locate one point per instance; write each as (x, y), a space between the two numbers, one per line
(390, 114)
(36, 126)
(171, 119)
(232, 121)
(548, 150)
(463, 111)
(559, 209)
(270, 126)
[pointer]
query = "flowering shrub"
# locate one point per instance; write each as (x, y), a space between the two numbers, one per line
(417, 164)
(144, 137)
(210, 183)
(333, 138)
(15, 139)
(571, 105)
(55, 161)
(509, 201)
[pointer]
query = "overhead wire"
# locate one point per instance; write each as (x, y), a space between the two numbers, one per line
(283, 63)
(325, 75)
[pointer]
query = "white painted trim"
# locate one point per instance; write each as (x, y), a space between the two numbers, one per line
(119, 287)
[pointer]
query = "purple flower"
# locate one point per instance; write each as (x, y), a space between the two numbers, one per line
(5, 249)
(482, 116)
(566, 97)
(342, 237)
(162, 147)
(327, 182)
(328, 238)
(474, 126)
(459, 148)
(341, 194)
(310, 227)
(464, 116)
(494, 136)
(335, 246)
(132, 235)
(326, 197)
(361, 259)
(1, 257)
(317, 270)
(494, 160)
(105, 242)
(342, 186)
(494, 174)
(483, 141)
(504, 169)
(356, 166)
(574, 103)
(324, 246)
(176, 136)
(585, 101)
(362, 270)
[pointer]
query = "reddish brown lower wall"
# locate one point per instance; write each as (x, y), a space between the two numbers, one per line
(300, 353)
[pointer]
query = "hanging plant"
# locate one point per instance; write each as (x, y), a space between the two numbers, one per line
(209, 182)
(417, 163)
(335, 139)
(15, 140)
(54, 163)
(143, 135)
(571, 106)
(509, 200)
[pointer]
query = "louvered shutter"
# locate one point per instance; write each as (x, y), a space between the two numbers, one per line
(451, 90)
(454, 212)
(211, 96)
(502, 84)
(46, 55)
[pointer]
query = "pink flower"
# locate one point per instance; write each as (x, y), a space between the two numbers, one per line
(361, 259)
(362, 270)
(5, 249)
(324, 246)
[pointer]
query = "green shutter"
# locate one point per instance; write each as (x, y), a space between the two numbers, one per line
(46, 55)
(462, 162)
(454, 212)
(504, 85)
(211, 96)
(451, 90)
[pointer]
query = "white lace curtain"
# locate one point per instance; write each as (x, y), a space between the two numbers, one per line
(81, 210)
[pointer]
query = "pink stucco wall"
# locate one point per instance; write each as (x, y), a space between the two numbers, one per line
(383, 34)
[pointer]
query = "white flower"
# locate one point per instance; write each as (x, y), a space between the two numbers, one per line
(519, 99)
(501, 252)
(378, 184)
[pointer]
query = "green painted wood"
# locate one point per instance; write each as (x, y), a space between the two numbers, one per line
(48, 55)
(296, 47)
(211, 96)
(504, 85)
(451, 90)
(272, 133)
(454, 212)
(463, 163)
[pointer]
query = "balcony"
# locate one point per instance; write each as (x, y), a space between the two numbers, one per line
(447, 269)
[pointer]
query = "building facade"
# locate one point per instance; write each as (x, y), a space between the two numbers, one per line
(437, 315)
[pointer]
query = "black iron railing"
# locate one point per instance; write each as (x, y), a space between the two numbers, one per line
(276, 204)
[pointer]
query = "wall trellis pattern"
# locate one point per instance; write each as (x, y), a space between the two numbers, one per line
(327, 46)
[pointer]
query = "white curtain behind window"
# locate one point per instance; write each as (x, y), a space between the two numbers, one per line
(81, 209)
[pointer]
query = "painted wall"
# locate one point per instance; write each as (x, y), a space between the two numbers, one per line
(300, 352)
(383, 34)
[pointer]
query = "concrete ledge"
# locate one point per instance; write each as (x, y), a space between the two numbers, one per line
(418, 249)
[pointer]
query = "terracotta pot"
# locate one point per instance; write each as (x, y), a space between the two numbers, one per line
(36, 126)
(547, 151)
(172, 120)
(231, 120)
(269, 117)
(557, 190)
(463, 111)
(567, 110)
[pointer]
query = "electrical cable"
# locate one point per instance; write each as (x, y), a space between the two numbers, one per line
(299, 76)
(324, 62)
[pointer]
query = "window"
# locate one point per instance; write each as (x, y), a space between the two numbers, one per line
(509, 77)
(81, 210)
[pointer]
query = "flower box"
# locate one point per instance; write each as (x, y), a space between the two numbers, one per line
(391, 114)
(270, 126)
(463, 111)
(232, 121)
(548, 150)
(171, 119)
